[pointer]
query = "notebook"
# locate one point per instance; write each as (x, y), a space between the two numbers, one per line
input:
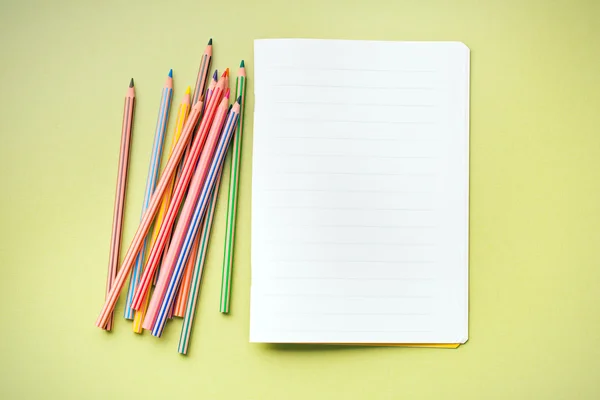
(360, 192)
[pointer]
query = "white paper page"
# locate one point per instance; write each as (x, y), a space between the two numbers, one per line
(360, 192)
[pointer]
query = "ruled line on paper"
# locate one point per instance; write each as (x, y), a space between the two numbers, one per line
(345, 296)
(355, 278)
(315, 120)
(343, 208)
(340, 138)
(353, 261)
(350, 156)
(354, 104)
(319, 313)
(321, 242)
(349, 331)
(353, 173)
(344, 191)
(362, 226)
(297, 68)
(358, 87)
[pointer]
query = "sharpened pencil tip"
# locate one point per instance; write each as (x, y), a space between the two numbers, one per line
(170, 73)
(226, 72)
(216, 74)
(188, 90)
(239, 100)
(131, 83)
(242, 64)
(227, 93)
(210, 42)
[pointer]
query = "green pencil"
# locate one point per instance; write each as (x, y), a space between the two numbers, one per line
(192, 300)
(234, 177)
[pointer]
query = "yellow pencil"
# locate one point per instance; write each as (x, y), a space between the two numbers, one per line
(184, 109)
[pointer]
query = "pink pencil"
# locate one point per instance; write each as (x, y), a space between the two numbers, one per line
(117, 226)
(146, 221)
(178, 194)
(186, 213)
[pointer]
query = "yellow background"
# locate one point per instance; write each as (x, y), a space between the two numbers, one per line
(535, 202)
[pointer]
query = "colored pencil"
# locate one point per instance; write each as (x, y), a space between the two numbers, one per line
(203, 72)
(159, 138)
(144, 226)
(184, 109)
(211, 86)
(185, 216)
(175, 179)
(213, 82)
(236, 148)
(199, 211)
(184, 288)
(192, 301)
(179, 307)
(178, 194)
(227, 80)
(117, 226)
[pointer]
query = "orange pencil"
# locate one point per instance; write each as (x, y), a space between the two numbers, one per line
(184, 287)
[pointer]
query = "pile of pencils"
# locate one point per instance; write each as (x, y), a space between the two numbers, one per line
(165, 259)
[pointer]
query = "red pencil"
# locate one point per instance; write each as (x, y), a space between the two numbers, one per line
(117, 226)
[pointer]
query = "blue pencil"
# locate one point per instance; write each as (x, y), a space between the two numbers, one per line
(159, 138)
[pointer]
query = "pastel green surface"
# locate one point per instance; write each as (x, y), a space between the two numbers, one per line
(535, 202)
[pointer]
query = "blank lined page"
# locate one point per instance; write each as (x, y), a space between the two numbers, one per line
(360, 192)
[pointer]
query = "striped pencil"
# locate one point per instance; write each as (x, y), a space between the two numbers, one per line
(234, 177)
(213, 83)
(190, 310)
(178, 194)
(144, 226)
(175, 179)
(211, 86)
(184, 289)
(159, 138)
(201, 81)
(157, 274)
(184, 109)
(117, 226)
(203, 71)
(199, 211)
(182, 293)
(227, 80)
(185, 215)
